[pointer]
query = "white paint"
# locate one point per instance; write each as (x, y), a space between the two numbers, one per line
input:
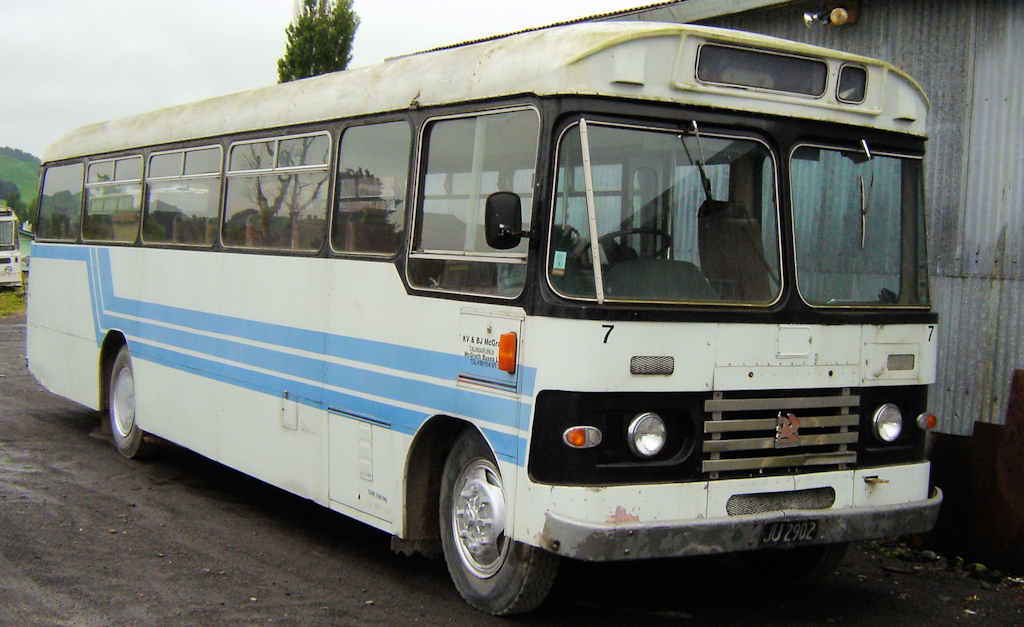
(355, 464)
(577, 59)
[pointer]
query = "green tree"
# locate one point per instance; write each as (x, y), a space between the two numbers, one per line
(319, 39)
(14, 201)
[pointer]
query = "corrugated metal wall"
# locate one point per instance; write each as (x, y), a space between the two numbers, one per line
(967, 55)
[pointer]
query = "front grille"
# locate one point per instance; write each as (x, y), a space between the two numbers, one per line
(814, 498)
(5, 260)
(740, 433)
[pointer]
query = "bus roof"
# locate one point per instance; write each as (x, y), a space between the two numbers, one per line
(635, 60)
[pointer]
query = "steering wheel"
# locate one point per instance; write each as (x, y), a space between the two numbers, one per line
(607, 243)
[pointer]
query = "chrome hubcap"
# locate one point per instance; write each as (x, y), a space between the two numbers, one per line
(123, 402)
(478, 518)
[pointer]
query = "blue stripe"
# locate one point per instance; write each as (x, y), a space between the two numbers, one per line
(394, 356)
(401, 419)
(106, 306)
(368, 381)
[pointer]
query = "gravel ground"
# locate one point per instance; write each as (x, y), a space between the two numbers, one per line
(89, 538)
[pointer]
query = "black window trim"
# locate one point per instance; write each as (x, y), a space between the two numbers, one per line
(839, 81)
(45, 169)
(342, 128)
(417, 180)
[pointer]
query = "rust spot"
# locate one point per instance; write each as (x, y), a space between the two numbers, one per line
(542, 539)
(622, 516)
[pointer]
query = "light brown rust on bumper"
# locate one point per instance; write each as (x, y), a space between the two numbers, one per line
(640, 540)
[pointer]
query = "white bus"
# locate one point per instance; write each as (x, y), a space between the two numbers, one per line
(602, 292)
(10, 250)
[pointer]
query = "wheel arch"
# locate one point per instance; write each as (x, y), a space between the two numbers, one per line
(112, 344)
(424, 466)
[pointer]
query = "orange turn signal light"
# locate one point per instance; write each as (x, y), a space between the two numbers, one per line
(582, 436)
(507, 352)
(927, 421)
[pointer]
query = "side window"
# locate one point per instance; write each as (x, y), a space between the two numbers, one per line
(277, 193)
(112, 200)
(369, 216)
(182, 191)
(61, 210)
(467, 159)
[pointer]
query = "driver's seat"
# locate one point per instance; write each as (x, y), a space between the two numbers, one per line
(731, 253)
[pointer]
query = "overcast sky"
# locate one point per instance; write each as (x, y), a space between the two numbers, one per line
(64, 63)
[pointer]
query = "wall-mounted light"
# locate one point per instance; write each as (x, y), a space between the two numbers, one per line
(831, 16)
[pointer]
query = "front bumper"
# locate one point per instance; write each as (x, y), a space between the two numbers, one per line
(625, 541)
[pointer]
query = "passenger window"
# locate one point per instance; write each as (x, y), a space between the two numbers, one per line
(128, 169)
(468, 159)
(372, 173)
(303, 151)
(61, 209)
(183, 209)
(252, 156)
(203, 161)
(165, 165)
(112, 201)
(285, 208)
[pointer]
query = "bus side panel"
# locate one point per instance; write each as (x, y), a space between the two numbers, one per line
(216, 370)
(373, 407)
(62, 346)
(394, 362)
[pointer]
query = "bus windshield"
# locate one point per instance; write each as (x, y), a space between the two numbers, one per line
(859, 228)
(678, 217)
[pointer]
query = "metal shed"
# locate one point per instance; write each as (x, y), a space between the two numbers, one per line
(965, 53)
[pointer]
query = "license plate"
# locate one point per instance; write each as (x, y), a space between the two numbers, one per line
(789, 532)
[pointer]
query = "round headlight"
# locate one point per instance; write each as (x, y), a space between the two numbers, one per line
(888, 422)
(646, 434)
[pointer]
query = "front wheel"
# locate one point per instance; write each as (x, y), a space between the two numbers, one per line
(492, 572)
(128, 438)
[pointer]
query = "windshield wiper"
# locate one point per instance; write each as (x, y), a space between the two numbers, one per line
(705, 181)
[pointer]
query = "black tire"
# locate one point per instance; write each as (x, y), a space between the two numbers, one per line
(502, 577)
(807, 564)
(128, 438)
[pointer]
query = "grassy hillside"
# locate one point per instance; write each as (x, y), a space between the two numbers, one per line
(22, 169)
(12, 301)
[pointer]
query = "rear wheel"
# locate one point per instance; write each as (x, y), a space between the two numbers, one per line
(492, 572)
(128, 438)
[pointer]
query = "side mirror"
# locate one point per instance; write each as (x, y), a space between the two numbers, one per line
(503, 220)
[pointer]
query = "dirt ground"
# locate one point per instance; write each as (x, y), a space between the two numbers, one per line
(89, 538)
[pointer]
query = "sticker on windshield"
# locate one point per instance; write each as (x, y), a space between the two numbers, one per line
(558, 264)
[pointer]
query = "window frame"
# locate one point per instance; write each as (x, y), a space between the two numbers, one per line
(219, 175)
(839, 83)
(776, 53)
(42, 192)
(715, 131)
(923, 215)
(420, 174)
(277, 139)
(87, 185)
(227, 173)
(335, 198)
